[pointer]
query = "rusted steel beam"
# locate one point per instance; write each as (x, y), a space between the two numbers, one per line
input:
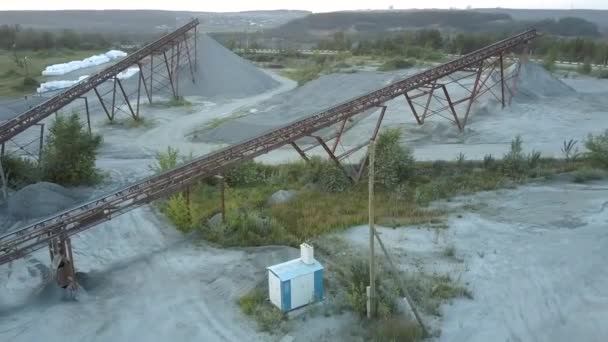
(189, 58)
(414, 111)
(502, 81)
(113, 109)
(452, 108)
(103, 105)
(338, 136)
(334, 158)
(170, 75)
(142, 79)
(473, 94)
(20, 123)
(24, 241)
(124, 94)
(299, 150)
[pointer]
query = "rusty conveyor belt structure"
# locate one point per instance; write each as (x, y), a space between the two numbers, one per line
(427, 84)
(168, 50)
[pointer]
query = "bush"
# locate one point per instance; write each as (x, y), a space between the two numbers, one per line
(247, 173)
(30, 82)
(20, 171)
(327, 175)
(249, 228)
(166, 161)
(597, 146)
(587, 174)
(396, 329)
(585, 68)
(396, 64)
(356, 278)
(255, 304)
(394, 163)
(176, 209)
(514, 162)
(70, 153)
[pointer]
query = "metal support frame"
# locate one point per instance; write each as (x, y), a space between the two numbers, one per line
(28, 239)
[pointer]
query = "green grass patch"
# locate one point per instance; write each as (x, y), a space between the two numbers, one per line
(130, 123)
(588, 174)
(18, 81)
(397, 64)
(256, 305)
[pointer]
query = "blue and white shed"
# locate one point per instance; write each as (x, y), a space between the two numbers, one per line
(297, 282)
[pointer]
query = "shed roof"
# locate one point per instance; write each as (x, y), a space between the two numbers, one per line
(294, 268)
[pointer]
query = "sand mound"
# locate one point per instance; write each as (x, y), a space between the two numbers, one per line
(224, 75)
(315, 96)
(40, 200)
(536, 82)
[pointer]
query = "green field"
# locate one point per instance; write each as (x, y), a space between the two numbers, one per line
(12, 76)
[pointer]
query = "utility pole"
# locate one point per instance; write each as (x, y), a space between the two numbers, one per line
(222, 188)
(371, 293)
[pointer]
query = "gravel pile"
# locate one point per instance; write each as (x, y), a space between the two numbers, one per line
(536, 82)
(223, 74)
(313, 97)
(40, 200)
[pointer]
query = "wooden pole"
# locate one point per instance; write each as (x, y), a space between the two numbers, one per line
(222, 196)
(372, 277)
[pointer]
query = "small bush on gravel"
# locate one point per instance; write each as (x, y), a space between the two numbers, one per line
(597, 146)
(70, 153)
(394, 163)
(588, 174)
(20, 171)
(256, 305)
(396, 64)
(396, 329)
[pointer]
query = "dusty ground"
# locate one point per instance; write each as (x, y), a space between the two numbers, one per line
(533, 256)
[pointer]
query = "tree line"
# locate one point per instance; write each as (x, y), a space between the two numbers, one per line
(15, 37)
(430, 43)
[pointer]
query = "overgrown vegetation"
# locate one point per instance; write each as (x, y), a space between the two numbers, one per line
(256, 305)
(396, 64)
(327, 200)
(597, 147)
(20, 70)
(70, 153)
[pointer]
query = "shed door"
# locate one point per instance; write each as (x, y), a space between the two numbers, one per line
(302, 290)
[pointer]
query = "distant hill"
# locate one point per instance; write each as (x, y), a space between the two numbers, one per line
(375, 22)
(139, 21)
(379, 23)
(598, 17)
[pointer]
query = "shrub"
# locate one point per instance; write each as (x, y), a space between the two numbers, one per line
(356, 278)
(514, 162)
(254, 304)
(176, 209)
(249, 228)
(20, 171)
(570, 150)
(248, 173)
(396, 329)
(394, 163)
(585, 68)
(166, 161)
(70, 153)
(396, 64)
(597, 146)
(489, 163)
(327, 175)
(587, 174)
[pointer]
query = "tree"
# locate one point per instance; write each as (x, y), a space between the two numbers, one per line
(70, 153)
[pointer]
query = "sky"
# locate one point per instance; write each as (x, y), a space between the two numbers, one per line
(312, 5)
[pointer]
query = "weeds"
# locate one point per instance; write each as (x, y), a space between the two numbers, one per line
(588, 174)
(256, 305)
(570, 151)
(597, 146)
(396, 64)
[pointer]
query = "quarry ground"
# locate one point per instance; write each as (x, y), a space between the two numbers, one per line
(533, 257)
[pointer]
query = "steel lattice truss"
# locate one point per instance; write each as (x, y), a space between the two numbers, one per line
(166, 56)
(428, 83)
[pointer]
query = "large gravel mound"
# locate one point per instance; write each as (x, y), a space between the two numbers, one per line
(224, 75)
(536, 82)
(40, 200)
(313, 97)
